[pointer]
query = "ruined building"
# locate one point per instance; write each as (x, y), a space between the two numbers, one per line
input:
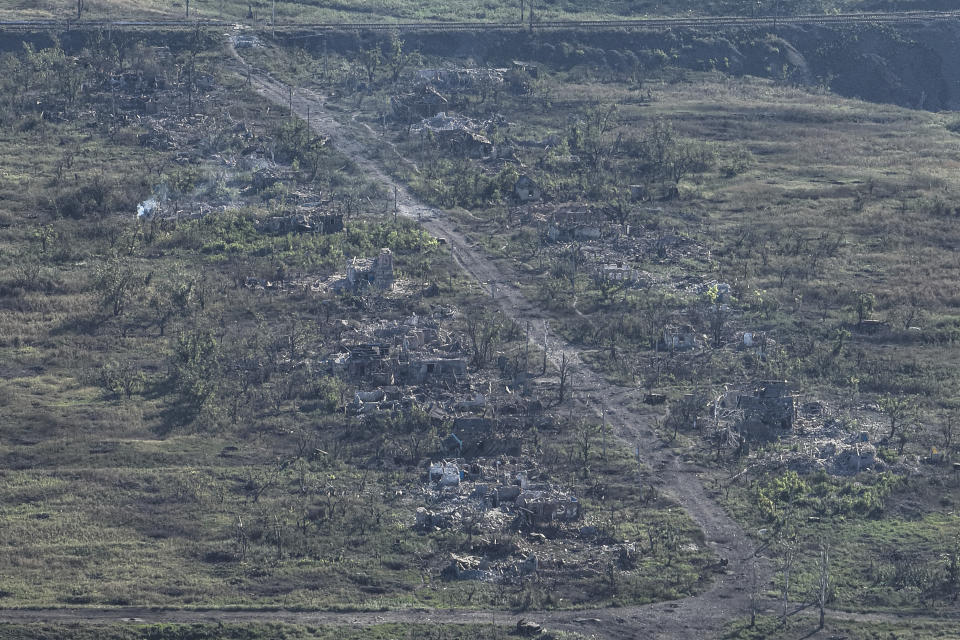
(771, 410)
(377, 272)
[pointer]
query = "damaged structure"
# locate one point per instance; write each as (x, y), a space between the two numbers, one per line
(498, 490)
(460, 78)
(567, 224)
(456, 134)
(376, 272)
(545, 507)
(618, 272)
(680, 338)
(769, 411)
(422, 102)
(526, 190)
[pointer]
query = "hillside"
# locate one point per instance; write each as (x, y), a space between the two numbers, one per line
(627, 336)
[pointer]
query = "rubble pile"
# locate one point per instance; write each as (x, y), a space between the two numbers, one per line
(491, 498)
(458, 134)
(417, 364)
(611, 249)
(460, 79)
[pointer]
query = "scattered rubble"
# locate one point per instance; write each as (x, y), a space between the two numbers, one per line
(419, 103)
(303, 222)
(491, 497)
(460, 79)
(458, 134)
(376, 272)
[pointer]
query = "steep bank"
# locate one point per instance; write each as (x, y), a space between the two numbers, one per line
(911, 65)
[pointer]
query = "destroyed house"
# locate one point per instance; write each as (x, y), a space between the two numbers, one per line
(526, 67)
(368, 359)
(304, 223)
(544, 507)
(422, 370)
(367, 352)
(526, 190)
(618, 272)
(579, 223)
(472, 436)
(377, 272)
(457, 134)
(459, 79)
(771, 409)
(465, 143)
(445, 473)
(679, 338)
(421, 103)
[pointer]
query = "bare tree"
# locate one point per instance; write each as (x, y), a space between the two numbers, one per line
(823, 581)
(788, 558)
(948, 427)
(585, 434)
(113, 282)
(370, 61)
(596, 129)
(754, 593)
(563, 371)
(483, 329)
(684, 412)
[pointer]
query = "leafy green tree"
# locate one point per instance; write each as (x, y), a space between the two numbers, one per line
(113, 282)
(592, 135)
(370, 61)
(195, 367)
(898, 410)
(864, 305)
(397, 58)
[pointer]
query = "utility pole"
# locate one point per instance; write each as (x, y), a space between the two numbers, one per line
(188, 9)
(273, 19)
(290, 100)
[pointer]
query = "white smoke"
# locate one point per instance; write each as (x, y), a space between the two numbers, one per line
(147, 208)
